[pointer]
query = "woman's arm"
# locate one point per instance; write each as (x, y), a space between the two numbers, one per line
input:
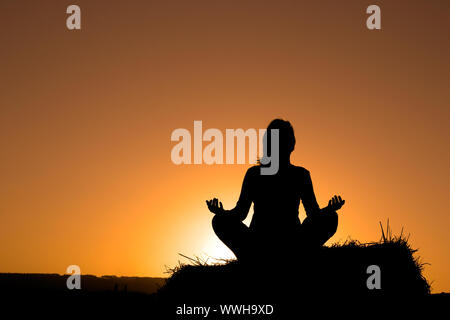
(240, 211)
(242, 207)
(308, 197)
(310, 203)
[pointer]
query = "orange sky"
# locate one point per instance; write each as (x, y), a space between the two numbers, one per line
(86, 118)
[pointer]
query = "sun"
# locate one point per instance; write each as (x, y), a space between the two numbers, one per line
(214, 251)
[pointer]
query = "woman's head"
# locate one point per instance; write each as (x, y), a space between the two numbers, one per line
(286, 138)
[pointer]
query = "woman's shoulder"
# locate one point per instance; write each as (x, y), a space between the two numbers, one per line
(297, 170)
(254, 170)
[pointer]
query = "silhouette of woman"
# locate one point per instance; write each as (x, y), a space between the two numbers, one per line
(275, 226)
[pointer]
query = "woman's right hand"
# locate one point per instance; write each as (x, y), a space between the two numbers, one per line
(215, 206)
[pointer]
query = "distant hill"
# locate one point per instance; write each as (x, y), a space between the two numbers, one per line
(14, 282)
